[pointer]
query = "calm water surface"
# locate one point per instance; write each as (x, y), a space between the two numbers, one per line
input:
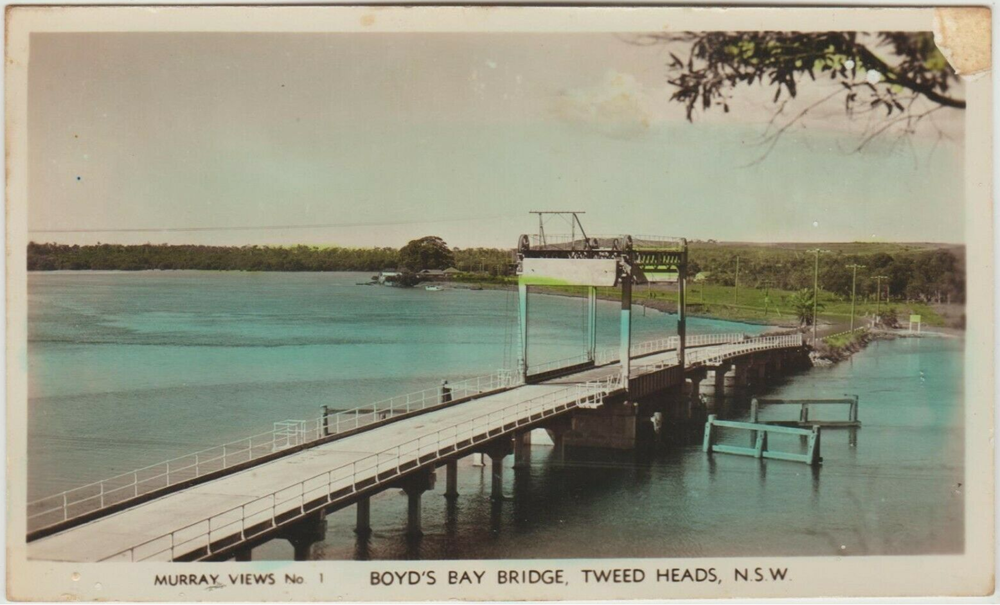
(130, 369)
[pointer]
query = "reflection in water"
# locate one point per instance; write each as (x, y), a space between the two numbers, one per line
(496, 515)
(451, 517)
(413, 543)
(361, 548)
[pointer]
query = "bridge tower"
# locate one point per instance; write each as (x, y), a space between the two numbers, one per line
(619, 261)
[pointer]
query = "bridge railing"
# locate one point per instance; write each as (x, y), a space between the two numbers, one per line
(93, 497)
(355, 418)
(612, 354)
(659, 242)
(290, 504)
(713, 356)
(566, 241)
(648, 347)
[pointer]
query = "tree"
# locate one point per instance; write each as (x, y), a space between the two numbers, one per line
(407, 279)
(426, 253)
(889, 318)
(802, 303)
(837, 278)
(888, 71)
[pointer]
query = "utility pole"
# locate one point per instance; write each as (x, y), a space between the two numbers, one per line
(878, 297)
(737, 279)
(854, 281)
(815, 289)
(767, 289)
(682, 308)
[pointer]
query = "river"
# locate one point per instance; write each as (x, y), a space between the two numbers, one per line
(127, 369)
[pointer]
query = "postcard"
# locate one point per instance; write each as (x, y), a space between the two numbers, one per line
(360, 303)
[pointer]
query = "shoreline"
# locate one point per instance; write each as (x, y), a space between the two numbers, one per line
(663, 306)
(826, 325)
(829, 355)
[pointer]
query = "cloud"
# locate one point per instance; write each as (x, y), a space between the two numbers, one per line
(617, 107)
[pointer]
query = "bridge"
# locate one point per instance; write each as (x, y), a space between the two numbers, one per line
(221, 502)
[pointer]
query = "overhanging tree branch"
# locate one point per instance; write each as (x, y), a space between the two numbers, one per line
(906, 66)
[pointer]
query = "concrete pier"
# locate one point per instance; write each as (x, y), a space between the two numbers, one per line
(415, 486)
(557, 431)
(304, 534)
(414, 513)
(522, 450)
(694, 392)
(735, 379)
(614, 425)
(363, 525)
(719, 380)
(496, 485)
(451, 479)
(497, 451)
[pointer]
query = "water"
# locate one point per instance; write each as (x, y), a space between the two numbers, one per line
(898, 491)
(128, 369)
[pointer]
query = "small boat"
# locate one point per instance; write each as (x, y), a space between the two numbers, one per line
(432, 288)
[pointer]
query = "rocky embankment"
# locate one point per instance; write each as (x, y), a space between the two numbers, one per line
(839, 347)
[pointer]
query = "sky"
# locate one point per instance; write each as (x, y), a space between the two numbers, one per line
(373, 139)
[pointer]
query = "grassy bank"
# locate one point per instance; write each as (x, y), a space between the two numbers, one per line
(774, 303)
(749, 305)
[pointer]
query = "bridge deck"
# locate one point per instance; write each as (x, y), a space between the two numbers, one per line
(115, 533)
(197, 515)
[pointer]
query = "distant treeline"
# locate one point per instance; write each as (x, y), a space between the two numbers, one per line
(908, 272)
(925, 273)
(115, 257)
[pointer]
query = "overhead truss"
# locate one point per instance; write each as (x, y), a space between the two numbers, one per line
(614, 261)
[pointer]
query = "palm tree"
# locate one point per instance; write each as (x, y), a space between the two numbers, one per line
(802, 303)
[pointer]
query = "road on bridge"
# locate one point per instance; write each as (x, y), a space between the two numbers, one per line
(230, 507)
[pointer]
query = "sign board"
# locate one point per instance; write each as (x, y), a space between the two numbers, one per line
(669, 277)
(914, 319)
(569, 272)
